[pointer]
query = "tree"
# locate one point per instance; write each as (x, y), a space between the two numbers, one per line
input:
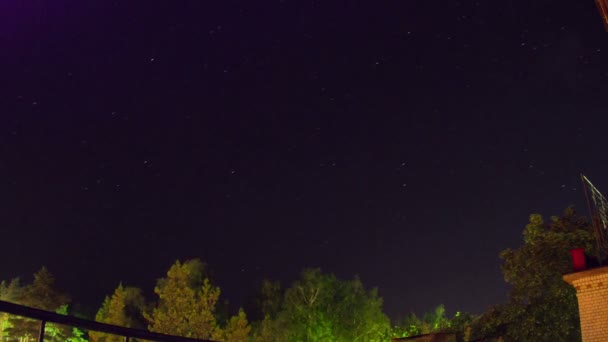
(9, 292)
(266, 331)
(186, 302)
(410, 326)
(268, 303)
(41, 294)
(360, 312)
(60, 333)
(432, 321)
(237, 329)
(541, 307)
(462, 325)
(123, 308)
(270, 299)
(435, 321)
(320, 307)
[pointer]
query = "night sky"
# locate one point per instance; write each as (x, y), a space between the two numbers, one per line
(404, 141)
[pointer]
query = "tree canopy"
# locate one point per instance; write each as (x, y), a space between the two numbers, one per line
(186, 302)
(40, 294)
(319, 306)
(541, 306)
(123, 308)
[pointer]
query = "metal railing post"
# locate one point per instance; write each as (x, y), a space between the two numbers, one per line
(41, 331)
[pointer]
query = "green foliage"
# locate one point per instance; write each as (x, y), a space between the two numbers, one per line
(266, 330)
(186, 302)
(270, 298)
(124, 308)
(461, 324)
(435, 321)
(237, 329)
(77, 336)
(41, 294)
(58, 332)
(320, 307)
(432, 322)
(541, 307)
(410, 326)
(10, 292)
(187, 305)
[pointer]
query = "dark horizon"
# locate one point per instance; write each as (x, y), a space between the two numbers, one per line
(403, 142)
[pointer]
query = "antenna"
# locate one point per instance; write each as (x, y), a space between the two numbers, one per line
(602, 6)
(598, 209)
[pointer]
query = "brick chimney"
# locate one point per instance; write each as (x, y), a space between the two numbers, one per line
(592, 293)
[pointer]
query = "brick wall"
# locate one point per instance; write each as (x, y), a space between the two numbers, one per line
(592, 293)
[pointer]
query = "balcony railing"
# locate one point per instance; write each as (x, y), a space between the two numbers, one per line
(47, 316)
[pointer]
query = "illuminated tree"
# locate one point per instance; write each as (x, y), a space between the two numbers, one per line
(267, 306)
(360, 312)
(61, 333)
(542, 307)
(9, 292)
(266, 331)
(186, 302)
(123, 308)
(237, 329)
(433, 321)
(41, 294)
(410, 326)
(462, 325)
(270, 298)
(320, 307)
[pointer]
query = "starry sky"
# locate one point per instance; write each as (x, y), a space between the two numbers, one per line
(403, 141)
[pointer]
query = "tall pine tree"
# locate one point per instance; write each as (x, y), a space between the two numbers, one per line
(41, 294)
(186, 302)
(124, 308)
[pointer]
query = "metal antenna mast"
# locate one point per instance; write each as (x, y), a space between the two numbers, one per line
(602, 6)
(598, 209)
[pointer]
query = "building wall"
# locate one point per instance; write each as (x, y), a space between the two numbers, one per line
(592, 293)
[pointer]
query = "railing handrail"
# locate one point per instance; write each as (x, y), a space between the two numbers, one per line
(47, 316)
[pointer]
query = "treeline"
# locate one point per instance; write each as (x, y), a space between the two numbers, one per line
(316, 307)
(320, 307)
